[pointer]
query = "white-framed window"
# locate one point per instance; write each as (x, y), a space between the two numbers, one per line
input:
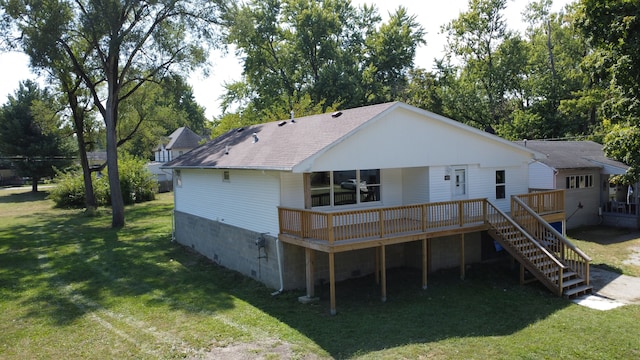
(338, 188)
(501, 183)
(579, 181)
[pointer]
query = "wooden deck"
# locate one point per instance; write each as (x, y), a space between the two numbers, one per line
(333, 232)
(366, 228)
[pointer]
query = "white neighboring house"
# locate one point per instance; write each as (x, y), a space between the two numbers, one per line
(583, 171)
(181, 141)
(331, 171)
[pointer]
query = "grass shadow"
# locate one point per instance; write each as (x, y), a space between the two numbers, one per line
(488, 302)
(604, 235)
(62, 264)
(23, 197)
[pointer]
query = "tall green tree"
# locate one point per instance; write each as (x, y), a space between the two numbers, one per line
(155, 110)
(115, 47)
(328, 50)
(553, 82)
(613, 28)
(475, 38)
(35, 145)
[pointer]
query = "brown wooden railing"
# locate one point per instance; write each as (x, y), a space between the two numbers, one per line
(550, 238)
(521, 245)
(380, 222)
(544, 202)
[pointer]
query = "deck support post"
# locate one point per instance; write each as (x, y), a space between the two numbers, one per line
(425, 263)
(462, 256)
(383, 268)
(332, 283)
(309, 255)
(376, 266)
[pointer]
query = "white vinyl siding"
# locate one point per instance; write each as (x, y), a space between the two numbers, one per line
(439, 188)
(391, 187)
(249, 200)
(292, 190)
(541, 176)
(415, 185)
(405, 139)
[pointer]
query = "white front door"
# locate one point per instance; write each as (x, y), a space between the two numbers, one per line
(459, 184)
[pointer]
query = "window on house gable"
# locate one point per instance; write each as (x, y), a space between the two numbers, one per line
(579, 181)
(501, 192)
(336, 188)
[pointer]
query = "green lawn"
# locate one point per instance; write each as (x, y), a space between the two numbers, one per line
(72, 288)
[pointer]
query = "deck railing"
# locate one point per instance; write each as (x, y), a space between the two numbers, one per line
(550, 238)
(544, 202)
(380, 222)
(522, 245)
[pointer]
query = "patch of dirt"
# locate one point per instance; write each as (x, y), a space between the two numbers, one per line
(263, 349)
(634, 258)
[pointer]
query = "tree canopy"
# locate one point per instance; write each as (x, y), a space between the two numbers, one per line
(327, 51)
(35, 145)
(114, 47)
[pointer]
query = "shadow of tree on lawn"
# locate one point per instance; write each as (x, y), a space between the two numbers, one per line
(79, 264)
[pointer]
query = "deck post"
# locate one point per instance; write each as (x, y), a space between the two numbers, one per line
(425, 263)
(462, 256)
(310, 267)
(377, 265)
(332, 283)
(383, 267)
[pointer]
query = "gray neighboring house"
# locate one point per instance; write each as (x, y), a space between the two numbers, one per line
(584, 172)
(181, 141)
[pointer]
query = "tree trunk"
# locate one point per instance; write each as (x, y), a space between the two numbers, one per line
(90, 201)
(117, 203)
(34, 184)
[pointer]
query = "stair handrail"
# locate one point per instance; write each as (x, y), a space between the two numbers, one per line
(553, 282)
(551, 229)
(528, 236)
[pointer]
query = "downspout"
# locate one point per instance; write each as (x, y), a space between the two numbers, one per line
(279, 291)
(173, 225)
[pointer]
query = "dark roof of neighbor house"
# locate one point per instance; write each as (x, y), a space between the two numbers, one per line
(572, 154)
(182, 138)
(281, 145)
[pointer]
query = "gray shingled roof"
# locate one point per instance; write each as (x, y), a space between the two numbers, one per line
(182, 138)
(572, 154)
(281, 145)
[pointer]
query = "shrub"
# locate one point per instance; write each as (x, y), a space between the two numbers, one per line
(136, 182)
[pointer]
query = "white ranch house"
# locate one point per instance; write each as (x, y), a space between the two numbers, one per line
(345, 194)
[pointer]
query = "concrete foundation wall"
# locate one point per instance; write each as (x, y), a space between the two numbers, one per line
(235, 248)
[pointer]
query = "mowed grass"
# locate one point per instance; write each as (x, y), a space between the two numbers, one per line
(615, 249)
(72, 288)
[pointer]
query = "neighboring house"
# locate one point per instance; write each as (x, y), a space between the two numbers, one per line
(583, 171)
(346, 194)
(181, 141)
(96, 159)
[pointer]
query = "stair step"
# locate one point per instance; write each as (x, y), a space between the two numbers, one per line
(584, 289)
(569, 283)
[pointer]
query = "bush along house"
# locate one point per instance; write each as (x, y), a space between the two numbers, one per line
(354, 192)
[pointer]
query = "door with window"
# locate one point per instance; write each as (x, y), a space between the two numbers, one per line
(459, 184)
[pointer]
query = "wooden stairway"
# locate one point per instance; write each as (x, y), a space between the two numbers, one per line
(540, 249)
